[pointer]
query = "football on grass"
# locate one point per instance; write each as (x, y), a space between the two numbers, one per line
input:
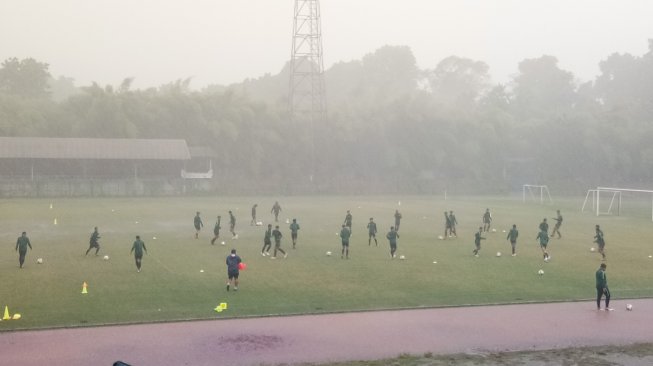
(106, 258)
(39, 261)
(540, 272)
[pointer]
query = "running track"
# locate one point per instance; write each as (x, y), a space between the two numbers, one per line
(335, 337)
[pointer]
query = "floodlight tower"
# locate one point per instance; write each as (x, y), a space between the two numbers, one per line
(307, 98)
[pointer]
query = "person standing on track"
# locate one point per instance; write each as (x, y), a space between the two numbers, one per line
(93, 242)
(197, 222)
(392, 237)
(344, 236)
(371, 229)
(137, 248)
(216, 231)
(602, 288)
(556, 227)
(233, 269)
(512, 236)
(21, 247)
(294, 228)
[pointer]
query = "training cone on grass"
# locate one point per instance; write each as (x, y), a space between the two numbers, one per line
(84, 286)
(6, 317)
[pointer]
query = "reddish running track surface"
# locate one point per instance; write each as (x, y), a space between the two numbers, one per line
(336, 337)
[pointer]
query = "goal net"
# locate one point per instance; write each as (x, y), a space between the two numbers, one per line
(611, 201)
(536, 193)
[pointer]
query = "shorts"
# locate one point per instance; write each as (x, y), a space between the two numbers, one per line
(513, 243)
(267, 242)
(345, 243)
(293, 235)
(543, 246)
(94, 245)
(277, 244)
(373, 235)
(138, 257)
(393, 246)
(197, 227)
(233, 274)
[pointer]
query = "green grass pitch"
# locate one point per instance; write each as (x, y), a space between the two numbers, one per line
(171, 286)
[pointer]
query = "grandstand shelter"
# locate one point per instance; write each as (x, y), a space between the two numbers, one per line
(36, 166)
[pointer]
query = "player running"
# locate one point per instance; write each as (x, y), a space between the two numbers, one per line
(276, 208)
(294, 228)
(267, 241)
(216, 231)
(371, 229)
(487, 220)
(600, 241)
(392, 236)
(276, 233)
(512, 236)
(543, 239)
(93, 242)
(197, 222)
(556, 227)
(397, 219)
(477, 241)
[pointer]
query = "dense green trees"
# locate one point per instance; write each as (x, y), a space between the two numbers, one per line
(392, 127)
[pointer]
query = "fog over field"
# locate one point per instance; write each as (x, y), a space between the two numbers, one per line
(422, 96)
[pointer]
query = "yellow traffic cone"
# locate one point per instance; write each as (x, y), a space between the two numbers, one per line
(218, 309)
(6, 317)
(223, 305)
(16, 316)
(84, 291)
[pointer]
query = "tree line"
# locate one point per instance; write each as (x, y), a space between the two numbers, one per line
(392, 127)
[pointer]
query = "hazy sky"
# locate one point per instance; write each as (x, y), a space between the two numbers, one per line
(225, 41)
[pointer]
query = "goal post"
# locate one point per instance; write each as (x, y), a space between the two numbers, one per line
(536, 193)
(613, 195)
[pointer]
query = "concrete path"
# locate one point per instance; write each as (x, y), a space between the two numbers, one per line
(335, 337)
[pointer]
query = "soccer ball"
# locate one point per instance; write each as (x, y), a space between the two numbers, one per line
(498, 254)
(440, 237)
(592, 249)
(259, 223)
(287, 221)
(328, 254)
(39, 261)
(503, 231)
(222, 243)
(106, 258)
(629, 307)
(402, 257)
(540, 272)
(235, 237)
(494, 230)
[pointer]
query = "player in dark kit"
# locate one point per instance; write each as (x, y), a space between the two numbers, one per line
(267, 241)
(137, 248)
(371, 229)
(93, 242)
(348, 221)
(276, 208)
(392, 236)
(197, 222)
(294, 228)
(21, 247)
(397, 220)
(598, 239)
(216, 231)
(487, 220)
(232, 225)
(277, 243)
(543, 238)
(602, 288)
(453, 222)
(233, 269)
(253, 222)
(556, 227)
(344, 236)
(477, 241)
(512, 236)
(544, 226)
(447, 225)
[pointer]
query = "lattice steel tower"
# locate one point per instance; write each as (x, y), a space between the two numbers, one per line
(307, 96)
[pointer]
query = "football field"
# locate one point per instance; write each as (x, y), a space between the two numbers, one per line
(184, 277)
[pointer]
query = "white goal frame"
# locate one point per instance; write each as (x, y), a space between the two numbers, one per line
(544, 193)
(596, 200)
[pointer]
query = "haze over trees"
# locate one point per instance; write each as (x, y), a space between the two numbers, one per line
(392, 127)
